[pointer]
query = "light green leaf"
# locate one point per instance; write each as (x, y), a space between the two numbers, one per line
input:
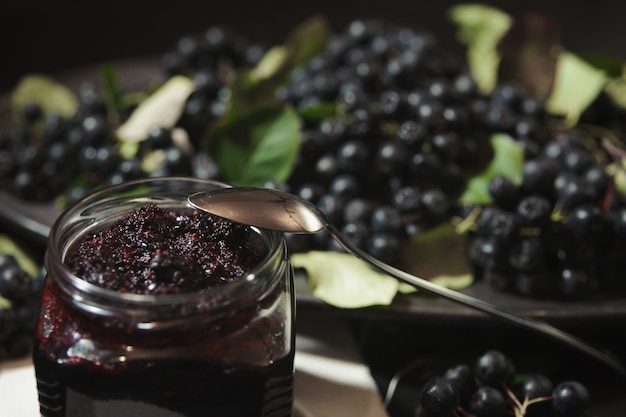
(52, 97)
(161, 109)
(128, 149)
(271, 63)
(345, 281)
(438, 255)
(153, 160)
(577, 83)
(453, 282)
(8, 246)
(616, 89)
(259, 146)
(481, 28)
(618, 171)
(508, 160)
(111, 99)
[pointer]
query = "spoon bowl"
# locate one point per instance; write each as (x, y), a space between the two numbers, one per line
(262, 207)
(281, 211)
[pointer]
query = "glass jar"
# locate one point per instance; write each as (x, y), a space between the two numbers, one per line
(226, 351)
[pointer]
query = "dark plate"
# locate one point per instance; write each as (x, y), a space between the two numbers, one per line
(33, 221)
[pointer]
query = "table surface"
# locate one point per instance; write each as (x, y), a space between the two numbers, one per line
(331, 378)
(376, 369)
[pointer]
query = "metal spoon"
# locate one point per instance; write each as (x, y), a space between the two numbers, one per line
(281, 211)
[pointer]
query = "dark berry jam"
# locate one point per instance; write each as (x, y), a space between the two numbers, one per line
(157, 251)
(160, 310)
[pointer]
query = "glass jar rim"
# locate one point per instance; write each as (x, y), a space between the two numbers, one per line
(239, 288)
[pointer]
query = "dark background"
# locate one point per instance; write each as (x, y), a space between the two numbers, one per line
(48, 36)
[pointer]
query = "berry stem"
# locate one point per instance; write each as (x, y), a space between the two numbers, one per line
(520, 408)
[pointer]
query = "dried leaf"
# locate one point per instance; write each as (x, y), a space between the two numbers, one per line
(162, 109)
(529, 53)
(438, 255)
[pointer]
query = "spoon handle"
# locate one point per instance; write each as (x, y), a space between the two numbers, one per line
(475, 303)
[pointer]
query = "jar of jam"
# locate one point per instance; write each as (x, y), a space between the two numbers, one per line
(152, 308)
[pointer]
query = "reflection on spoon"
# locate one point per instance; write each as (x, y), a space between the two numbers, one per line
(281, 211)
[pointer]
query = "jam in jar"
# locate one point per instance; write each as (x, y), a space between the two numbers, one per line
(153, 308)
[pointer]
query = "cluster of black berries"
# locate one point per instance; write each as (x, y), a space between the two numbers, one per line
(209, 59)
(410, 127)
(487, 389)
(52, 156)
(19, 305)
(561, 232)
(49, 156)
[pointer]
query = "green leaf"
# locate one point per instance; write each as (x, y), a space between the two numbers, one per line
(345, 281)
(613, 66)
(248, 93)
(576, 85)
(9, 247)
(438, 255)
(616, 89)
(111, 93)
(255, 88)
(260, 146)
(52, 97)
(161, 109)
(508, 160)
(481, 28)
(307, 40)
(318, 112)
(271, 63)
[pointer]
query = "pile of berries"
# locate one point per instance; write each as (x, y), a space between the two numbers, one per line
(50, 156)
(411, 127)
(19, 306)
(561, 232)
(488, 389)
